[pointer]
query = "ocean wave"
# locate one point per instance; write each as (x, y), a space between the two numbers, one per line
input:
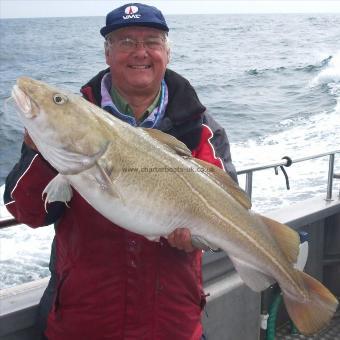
(281, 69)
(329, 75)
(255, 72)
(316, 132)
(316, 67)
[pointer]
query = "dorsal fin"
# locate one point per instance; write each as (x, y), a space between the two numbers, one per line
(222, 178)
(217, 174)
(286, 238)
(173, 143)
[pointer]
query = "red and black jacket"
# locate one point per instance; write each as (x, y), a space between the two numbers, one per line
(106, 282)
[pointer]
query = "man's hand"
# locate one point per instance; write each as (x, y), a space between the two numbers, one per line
(180, 238)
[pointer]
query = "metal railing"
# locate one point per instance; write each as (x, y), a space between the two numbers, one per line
(7, 222)
(285, 162)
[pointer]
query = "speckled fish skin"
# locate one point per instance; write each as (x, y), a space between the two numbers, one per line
(147, 182)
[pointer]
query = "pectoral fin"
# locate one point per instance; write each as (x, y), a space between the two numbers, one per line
(58, 189)
(105, 177)
(252, 277)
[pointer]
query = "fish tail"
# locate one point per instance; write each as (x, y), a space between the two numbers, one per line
(317, 309)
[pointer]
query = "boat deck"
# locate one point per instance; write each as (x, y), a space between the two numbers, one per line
(332, 332)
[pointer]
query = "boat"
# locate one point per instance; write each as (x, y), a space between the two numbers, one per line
(233, 311)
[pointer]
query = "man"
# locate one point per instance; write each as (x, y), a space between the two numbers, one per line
(108, 283)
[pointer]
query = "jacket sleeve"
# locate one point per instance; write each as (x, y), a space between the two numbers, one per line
(23, 190)
(214, 146)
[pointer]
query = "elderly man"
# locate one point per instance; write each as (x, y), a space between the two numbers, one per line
(108, 283)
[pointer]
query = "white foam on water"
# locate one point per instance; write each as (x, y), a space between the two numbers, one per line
(24, 251)
(303, 137)
(331, 74)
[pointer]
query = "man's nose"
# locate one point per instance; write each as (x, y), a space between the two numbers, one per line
(140, 43)
(140, 48)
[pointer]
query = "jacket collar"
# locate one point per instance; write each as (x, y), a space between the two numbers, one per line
(183, 104)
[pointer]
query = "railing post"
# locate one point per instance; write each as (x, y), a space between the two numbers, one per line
(249, 183)
(337, 176)
(7, 222)
(330, 177)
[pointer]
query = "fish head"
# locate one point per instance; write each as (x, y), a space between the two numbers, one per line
(62, 125)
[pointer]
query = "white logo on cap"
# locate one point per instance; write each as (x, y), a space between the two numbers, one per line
(130, 12)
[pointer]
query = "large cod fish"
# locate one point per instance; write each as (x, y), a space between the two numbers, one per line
(93, 152)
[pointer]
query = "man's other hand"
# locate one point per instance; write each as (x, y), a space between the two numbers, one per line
(180, 238)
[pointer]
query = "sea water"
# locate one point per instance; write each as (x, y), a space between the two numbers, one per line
(272, 81)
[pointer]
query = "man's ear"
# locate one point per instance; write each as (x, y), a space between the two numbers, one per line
(107, 53)
(168, 55)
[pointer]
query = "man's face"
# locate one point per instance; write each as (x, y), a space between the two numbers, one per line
(137, 69)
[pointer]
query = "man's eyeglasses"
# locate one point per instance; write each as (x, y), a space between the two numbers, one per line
(129, 44)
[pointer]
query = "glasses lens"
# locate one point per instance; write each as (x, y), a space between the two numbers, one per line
(154, 43)
(126, 44)
(129, 44)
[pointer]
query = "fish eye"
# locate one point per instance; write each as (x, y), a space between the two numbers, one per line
(59, 99)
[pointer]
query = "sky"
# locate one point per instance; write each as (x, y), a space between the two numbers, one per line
(62, 8)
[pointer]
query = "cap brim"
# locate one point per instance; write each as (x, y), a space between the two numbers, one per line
(108, 29)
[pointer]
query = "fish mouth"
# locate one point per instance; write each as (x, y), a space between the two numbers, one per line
(23, 102)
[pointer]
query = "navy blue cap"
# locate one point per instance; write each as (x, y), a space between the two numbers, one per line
(134, 14)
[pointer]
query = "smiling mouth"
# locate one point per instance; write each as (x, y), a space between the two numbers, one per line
(140, 67)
